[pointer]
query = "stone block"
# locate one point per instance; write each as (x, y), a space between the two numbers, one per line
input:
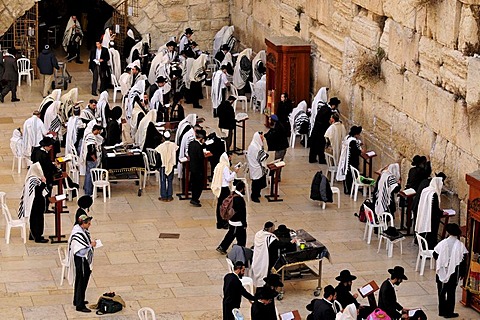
(385, 37)
(216, 25)
(440, 109)
(403, 12)
(468, 28)
(473, 79)
(166, 3)
(466, 163)
(329, 45)
(415, 96)
(340, 24)
(454, 70)
(443, 22)
(219, 10)
(375, 6)
(366, 32)
(199, 12)
(176, 14)
(403, 45)
(430, 59)
(393, 84)
(461, 135)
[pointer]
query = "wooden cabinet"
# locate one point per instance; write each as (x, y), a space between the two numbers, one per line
(288, 68)
(471, 285)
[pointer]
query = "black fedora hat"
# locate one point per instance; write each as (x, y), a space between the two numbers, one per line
(188, 31)
(345, 276)
(334, 101)
(398, 272)
(85, 202)
(416, 160)
(453, 229)
(171, 44)
(273, 280)
(47, 141)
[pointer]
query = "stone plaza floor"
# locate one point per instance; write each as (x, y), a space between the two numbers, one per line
(182, 278)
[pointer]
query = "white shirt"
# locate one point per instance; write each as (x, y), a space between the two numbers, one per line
(227, 177)
(223, 81)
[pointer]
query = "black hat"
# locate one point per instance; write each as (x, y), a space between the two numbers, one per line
(328, 291)
(201, 133)
(194, 44)
(266, 294)
(161, 79)
(453, 229)
(97, 127)
(231, 98)
(85, 201)
(416, 160)
(116, 113)
(283, 228)
(273, 280)
(334, 101)
(225, 47)
(188, 31)
(355, 130)
(345, 276)
(441, 175)
(398, 272)
(268, 224)
(47, 141)
(171, 44)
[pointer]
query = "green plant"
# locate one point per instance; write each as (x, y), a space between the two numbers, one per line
(369, 67)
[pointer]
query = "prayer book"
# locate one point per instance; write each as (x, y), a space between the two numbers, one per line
(449, 212)
(280, 164)
(368, 289)
(409, 191)
(183, 159)
(99, 243)
(292, 315)
(241, 116)
(208, 142)
(110, 154)
(60, 197)
(371, 153)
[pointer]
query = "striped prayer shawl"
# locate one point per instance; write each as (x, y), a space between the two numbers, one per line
(82, 240)
(300, 118)
(28, 195)
(55, 124)
(385, 186)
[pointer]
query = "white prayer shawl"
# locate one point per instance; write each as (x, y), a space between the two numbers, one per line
(188, 137)
(263, 240)
(198, 68)
(450, 255)
(261, 56)
(106, 38)
(260, 88)
(343, 161)
(138, 46)
(216, 185)
(137, 90)
(130, 34)
(125, 80)
(141, 133)
(216, 95)
(88, 139)
(52, 119)
(321, 97)
(302, 106)
(349, 313)
(227, 59)
(158, 62)
(168, 155)
(189, 120)
(239, 76)
(183, 41)
(424, 212)
(387, 182)
(115, 62)
(157, 99)
(88, 114)
(16, 143)
(102, 103)
(335, 134)
(133, 124)
(186, 71)
(79, 239)
(34, 131)
(221, 37)
(32, 180)
(254, 157)
(72, 130)
(68, 32)
(68, 101)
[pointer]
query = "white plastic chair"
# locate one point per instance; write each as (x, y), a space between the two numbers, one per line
(370, 224)
(336, 191)
(62, 254)
(116, 87)
(237, 315)
(247, 282)
(295, 134)
(12, 223)
(253, 97)
(242, 99)
(357, 184)
(152, 162)
(68, 190)
(146, 313)
(331, 166)
(24, 69)
(100, 180)
(73, 170)
(423, 254)
(386, 220)
(148, 170)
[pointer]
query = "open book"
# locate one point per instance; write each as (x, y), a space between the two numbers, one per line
(409, 191)
(449, 212)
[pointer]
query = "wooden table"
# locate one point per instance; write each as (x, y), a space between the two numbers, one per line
(185, 194)
(409, 201)
(58, 236)
(239, 124)
(367, 162)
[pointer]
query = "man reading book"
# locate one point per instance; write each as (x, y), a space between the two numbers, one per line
(345, 296)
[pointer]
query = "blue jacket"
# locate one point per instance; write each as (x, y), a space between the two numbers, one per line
(46, 61)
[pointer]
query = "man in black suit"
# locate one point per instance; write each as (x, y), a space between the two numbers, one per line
(345, 297)
(233, 290)
(99, 57)
(226, 119)
(196, 157)
(322, 309)
(42, 155)
(387, 298)
(10, 75)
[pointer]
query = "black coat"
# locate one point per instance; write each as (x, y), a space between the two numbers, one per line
(387, 300)
(127, 46)
(49, 169)
(104, 55)
(417, 174)
(321, 310)
(322, 121)
(321, 190)
(10, 72)
(277, 137)
(260, 311)
(114, 133)
(226, 116)
(233, 291)
(196, 155)
(46, 61)
(345, 297)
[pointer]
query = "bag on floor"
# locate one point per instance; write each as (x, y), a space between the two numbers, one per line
(226, 209)
(109, 303)
(378, 314)
(362, 217)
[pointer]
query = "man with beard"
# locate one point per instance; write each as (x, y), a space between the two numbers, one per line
(233, 290)
(387, 298)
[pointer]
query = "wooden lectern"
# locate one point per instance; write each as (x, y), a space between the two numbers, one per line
(275, 170)
(288, 68)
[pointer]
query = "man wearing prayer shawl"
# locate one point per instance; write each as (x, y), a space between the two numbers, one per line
(16, 143)
(89, 113)
(73, 138)
(334, 136)
(385, 189)
(134, 96)
(451, 256)
(222, 185)
(185, 135)
(32, 203)
(298, 119)
(115, 64)
(68, 102)
(90, 156)
(222, 37)
(196, 76)
(128, 44)
(258, 64)
(429, 212)
(168, 153)
(80, 259)
(256, 158)
(142, 130)
(243, 69)
(260, 89)
(321, 113)
(114, 127)
(72, 39)
(264, 255)
(137, 115)
(219, 88)
(102, 111)
(350, 156)
(34, 131)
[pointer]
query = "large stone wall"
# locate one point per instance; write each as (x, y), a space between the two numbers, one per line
(160, 18)
(428, 101)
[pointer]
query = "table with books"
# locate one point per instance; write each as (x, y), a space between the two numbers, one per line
(124, 163)
(301, 264)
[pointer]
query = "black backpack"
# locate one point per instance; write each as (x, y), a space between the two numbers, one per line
(106, 304)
